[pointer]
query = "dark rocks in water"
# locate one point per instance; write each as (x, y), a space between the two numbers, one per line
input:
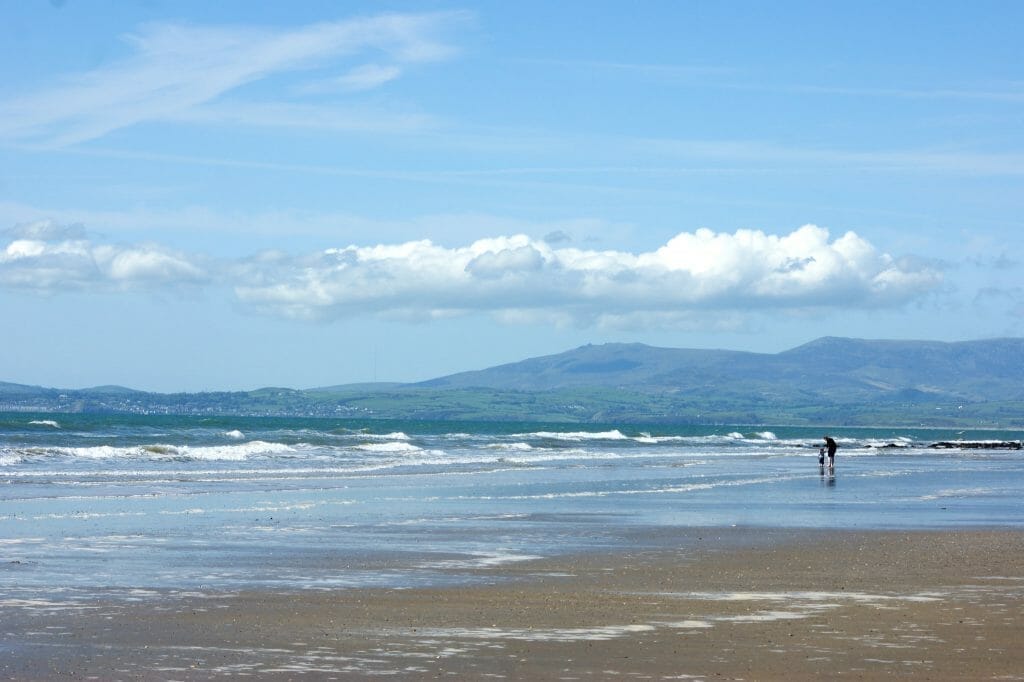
(889, 446)
(977, 445)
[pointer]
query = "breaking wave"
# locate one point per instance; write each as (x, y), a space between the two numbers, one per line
(614, 434)
(164, 451)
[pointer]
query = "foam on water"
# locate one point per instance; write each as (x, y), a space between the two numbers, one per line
(45, 422)
(648, 439)
(480, 560)
(764, 617)
(94, 452)
(593, 634)
(390, 447)
(180, 503)
(654, 490)
(397, 435)
(614, 434)
(167, 451)
(261, 509)
(47, 605)
(84, 516)
(961, 493)
(510, 446)
(815, 596)
(898, 442)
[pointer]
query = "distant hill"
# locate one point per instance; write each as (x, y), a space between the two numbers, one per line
(113, 390)
(633, 365)
(8, 390)
(832, 369)
(828, 381)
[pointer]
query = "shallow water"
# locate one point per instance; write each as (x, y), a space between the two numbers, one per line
(126, 503)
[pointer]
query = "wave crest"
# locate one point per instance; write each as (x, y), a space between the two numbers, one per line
(614, 434)
(186, 452)
(394, 447)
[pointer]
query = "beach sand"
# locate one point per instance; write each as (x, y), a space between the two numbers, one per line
(706, 604)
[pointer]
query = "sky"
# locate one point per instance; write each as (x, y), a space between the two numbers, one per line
(203, 196)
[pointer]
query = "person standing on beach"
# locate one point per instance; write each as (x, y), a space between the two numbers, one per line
(830, 445)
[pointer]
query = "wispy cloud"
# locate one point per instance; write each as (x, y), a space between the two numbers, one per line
(722, 77)
(175, 68)
(305, 116)
(363, 77)
(673, 72)
(651, 157)
(1011, 94)
(750, 154)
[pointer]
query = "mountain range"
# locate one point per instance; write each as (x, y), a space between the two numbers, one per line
(830, 369)
(830, 380)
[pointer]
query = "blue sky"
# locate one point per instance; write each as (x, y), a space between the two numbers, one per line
(203, 196)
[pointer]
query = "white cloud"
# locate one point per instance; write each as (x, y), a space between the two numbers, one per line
(145, 264)
(491, 264)
(701, 275)
(518, 277)
(175, 68)
(49, 258)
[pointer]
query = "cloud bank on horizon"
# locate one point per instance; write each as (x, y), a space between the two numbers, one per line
(518, 278)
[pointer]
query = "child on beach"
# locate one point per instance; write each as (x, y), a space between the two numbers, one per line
(821, 456)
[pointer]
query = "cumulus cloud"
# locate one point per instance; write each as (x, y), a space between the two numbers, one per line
(518, 277)
(175, 69)
(701, 275)
(50, 258)
(491, 264)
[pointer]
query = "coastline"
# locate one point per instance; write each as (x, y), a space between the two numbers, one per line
(680, 603)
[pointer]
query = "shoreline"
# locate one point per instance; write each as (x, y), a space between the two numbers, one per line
(680, 603)
(954, 425)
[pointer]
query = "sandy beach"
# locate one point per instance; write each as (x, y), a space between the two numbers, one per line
(750, 604)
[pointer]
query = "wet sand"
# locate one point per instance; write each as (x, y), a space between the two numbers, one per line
(695, 604)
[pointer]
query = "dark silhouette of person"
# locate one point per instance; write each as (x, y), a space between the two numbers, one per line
(830, 445)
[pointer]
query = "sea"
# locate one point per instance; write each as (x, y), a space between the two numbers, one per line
(124, 504)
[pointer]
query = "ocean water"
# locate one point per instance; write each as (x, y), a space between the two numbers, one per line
(99, 503)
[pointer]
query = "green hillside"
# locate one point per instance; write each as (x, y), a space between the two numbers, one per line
(829, 369)
(828, 381)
